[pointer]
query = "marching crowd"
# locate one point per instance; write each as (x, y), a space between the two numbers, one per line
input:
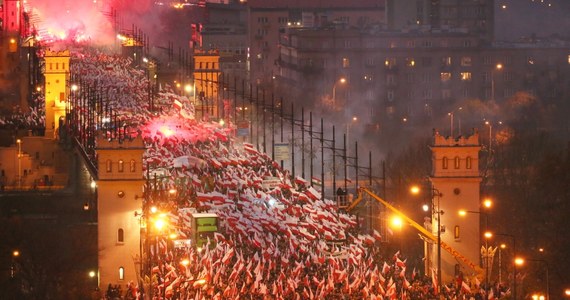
(276, 242)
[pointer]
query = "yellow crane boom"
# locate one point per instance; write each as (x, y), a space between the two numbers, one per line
(417, 226)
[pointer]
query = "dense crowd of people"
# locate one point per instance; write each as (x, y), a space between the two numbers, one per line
(275, 241)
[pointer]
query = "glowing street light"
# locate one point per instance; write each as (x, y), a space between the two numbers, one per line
(341, 81)
(498, 67)
(19, 142)
(397, 222)
(521, 261)
(435, 193)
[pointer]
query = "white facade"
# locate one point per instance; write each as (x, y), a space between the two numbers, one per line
(119, 190)
(455, 179)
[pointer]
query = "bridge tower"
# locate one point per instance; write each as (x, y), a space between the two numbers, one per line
(56, 90)
(119, 195)
(206, 73)
(456, 181)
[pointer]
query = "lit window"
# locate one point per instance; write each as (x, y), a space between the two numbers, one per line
(410, 62)
(120, 235)
(446, 61)
(121, 273)
(444, 163)
(466, 61)
(345, 62)
(466, 76)
(121, 166)
(457, 162)
(456, 232)
(109, 166)
(468, 163)
(568, 58)
(445, 76)
(133, 166)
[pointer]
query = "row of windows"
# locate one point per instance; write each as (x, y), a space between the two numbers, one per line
(56, 66)
(456, 162)
(121, 166)
(464, 92)
(446, 61)
(207, 65)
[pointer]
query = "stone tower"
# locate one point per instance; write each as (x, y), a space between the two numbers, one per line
(455, 177)
(119, 190)
(206, 73)
(56, 90)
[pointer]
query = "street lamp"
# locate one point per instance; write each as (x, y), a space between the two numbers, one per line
(488, 253)
(515, 264)
(19, 142)
(451, 115)
(354, 119)
(498, 67)
(342, 81)
(520, 261)
(435, 193)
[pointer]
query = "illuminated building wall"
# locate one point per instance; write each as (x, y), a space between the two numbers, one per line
(206, 72)
(119, 195)
(455, 174)
(56, 90)
(11, 16)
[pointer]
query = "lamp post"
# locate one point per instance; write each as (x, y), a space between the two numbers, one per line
(498, 67)
(451, 115)
(501, 248)
(354, 119)
(488, 254)
(342, 81)
(435, 193)
(520, 261)
(19, 142)
(514, 264)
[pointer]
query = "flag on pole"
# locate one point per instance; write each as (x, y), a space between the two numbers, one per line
(316, 181)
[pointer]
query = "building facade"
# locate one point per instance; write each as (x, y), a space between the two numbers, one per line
(456, 182)
(416, 75)
(268, 20)
(476, 17)
(56, 90)
(119, 195)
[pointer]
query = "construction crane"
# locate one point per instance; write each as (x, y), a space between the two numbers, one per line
(425, 233)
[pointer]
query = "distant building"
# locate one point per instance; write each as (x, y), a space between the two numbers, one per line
(267, 20)
(476, 17)
(226, 32)
(416, 74)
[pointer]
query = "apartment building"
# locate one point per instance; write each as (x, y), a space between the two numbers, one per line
(413, 75)
(267, 20)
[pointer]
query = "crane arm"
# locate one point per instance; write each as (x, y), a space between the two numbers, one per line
(417, 226)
